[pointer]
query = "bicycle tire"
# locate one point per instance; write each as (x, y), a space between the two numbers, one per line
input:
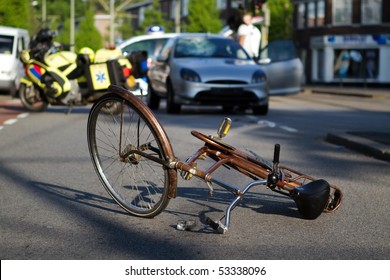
(139, 185)
(30, 98)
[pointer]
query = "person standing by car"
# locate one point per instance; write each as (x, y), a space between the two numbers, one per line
(249, 36)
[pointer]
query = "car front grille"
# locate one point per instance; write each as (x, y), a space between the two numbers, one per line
(226, 82)
(223, 96)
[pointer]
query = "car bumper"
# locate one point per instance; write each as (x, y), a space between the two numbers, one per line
(6, 84)
(220, 94)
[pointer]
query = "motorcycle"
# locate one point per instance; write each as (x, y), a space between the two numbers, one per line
(59, 77)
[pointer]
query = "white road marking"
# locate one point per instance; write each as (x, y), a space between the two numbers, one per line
(10, 121)
(22, 115)
(267, 123)
(272, 124)
(289, 129)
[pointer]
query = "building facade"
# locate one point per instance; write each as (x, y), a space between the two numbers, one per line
(343, 41)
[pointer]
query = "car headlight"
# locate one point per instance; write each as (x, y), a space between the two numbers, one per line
(189, 75)
(259, 77)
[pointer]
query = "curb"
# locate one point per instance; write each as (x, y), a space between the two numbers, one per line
(360, 144)
(351, 92)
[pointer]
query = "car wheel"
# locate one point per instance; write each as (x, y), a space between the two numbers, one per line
(260, 110)
(172, 107)
(152, 99)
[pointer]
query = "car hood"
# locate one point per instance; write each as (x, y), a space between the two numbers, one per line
(215, 68)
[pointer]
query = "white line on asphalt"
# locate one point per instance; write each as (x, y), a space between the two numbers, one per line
(22, 115)
(272, 124)
(10, 121)
(267, 123)
(289, 129)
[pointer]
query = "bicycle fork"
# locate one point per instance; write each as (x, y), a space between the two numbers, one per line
(218, 225)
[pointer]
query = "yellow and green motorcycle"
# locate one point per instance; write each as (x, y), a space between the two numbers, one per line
(59, 77)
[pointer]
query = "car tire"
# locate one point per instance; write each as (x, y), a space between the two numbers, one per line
(260, 110)
(152, 99)
(172, 107)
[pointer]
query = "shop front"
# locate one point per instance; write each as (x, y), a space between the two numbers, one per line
(350, 58)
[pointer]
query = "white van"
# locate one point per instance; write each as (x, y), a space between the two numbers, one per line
(12, 42)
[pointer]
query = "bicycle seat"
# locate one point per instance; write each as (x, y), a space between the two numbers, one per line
(312, 198)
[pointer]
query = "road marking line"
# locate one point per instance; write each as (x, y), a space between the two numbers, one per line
(22, 115)
(272, 124)
(10, 121)
(289, 129)
(267, 123)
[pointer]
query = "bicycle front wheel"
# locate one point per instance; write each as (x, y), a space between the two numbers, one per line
(123, 141)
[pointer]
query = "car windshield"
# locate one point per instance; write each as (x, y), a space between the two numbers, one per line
(152, 46)
(6, 44)
(203, 47)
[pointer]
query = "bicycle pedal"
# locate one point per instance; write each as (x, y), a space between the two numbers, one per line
(216, 225)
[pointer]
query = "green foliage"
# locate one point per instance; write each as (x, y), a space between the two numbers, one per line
(88, 35)
(153, 16)
(281, 19)
(203, 17)
(64, 36)
(15, 13)
(126, 29)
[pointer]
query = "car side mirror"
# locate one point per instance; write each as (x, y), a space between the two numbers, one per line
(266, 60)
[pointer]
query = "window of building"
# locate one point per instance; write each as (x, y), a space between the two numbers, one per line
(320, 12)
(356, 63)
(342, 12)
(221, 4)
(371, 11)
(141, 15)
(311, 14)
(236, 4)
(183, 8)
(301, 15)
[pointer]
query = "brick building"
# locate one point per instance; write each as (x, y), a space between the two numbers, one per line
(343, 41)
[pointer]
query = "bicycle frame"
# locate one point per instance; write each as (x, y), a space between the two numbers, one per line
(225, 155)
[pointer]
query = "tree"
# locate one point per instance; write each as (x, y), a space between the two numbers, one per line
(281, 19)
(153, 16)
(88, 35)
(15, 13)
(64, 36)
(203, 17)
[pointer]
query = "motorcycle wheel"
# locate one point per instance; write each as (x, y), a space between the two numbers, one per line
(113, 108)
(31, 98)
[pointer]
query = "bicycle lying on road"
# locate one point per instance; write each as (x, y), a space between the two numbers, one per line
(135, 162)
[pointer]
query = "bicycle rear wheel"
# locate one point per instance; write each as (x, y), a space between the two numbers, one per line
(140, 185)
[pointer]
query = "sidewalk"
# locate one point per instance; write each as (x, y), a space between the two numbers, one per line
(371, 143)
(376, 93)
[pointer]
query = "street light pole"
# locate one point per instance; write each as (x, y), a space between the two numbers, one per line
(112, 22)
(72, 24)
(43, 12)
(177, 16)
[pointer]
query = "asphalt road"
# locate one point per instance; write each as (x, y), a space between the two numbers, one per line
(54, 207)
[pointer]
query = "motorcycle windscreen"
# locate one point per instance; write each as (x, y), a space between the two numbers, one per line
(100, 77)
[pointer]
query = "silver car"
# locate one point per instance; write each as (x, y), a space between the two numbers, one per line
(206, 69)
